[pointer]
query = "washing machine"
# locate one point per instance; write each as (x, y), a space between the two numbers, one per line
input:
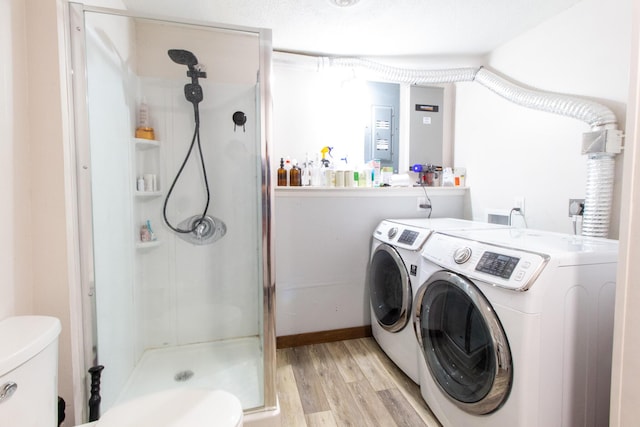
(515, 328)
(393, 269)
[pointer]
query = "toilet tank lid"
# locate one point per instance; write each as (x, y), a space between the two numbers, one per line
(22, 337)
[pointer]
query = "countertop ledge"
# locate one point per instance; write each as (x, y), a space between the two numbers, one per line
(366, 191)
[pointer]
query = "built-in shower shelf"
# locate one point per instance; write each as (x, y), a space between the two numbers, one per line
(148, 194)
(148, 245)
(146, 144)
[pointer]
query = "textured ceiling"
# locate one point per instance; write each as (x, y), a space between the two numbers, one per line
(372, 27)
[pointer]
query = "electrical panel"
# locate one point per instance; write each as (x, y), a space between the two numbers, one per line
(381, 131)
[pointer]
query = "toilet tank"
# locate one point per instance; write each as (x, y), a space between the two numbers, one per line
(29, 371)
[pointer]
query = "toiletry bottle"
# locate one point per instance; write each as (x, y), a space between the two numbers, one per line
(306, 172)
(295, 175)
(282, 174)
(287, 164)
(362, 177)
(316, 173)
(447, 177)
(144, 129)
(145, 236)
(152, 235)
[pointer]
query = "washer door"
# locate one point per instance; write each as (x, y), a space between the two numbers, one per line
(463, 343)
(389, 288)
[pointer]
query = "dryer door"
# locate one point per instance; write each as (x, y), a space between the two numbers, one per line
(463, 343)
(389, 288)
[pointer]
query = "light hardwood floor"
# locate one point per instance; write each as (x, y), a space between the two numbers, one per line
(347, 383)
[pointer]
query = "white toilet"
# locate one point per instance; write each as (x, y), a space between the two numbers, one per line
(180, 407)
(29, 371)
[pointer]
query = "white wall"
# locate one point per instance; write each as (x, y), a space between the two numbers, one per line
(322, 239)
(511, 151)
(49, 255)
(625, 393)
(16, 278)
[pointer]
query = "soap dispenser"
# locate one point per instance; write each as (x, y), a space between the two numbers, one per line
(282, 174)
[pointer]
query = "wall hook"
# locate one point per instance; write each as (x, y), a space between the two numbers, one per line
(239, 119)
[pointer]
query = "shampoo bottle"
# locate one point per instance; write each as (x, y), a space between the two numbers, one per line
(144, 129)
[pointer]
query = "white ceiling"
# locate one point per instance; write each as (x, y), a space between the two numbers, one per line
(372, 27)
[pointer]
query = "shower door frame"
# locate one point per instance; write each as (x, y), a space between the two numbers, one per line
(85, 331)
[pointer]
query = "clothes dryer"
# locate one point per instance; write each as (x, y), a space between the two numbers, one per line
(515, 328)
(393, 269)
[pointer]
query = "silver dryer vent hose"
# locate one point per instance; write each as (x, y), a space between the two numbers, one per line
(592, 113)
(600, 166)
(404, 75)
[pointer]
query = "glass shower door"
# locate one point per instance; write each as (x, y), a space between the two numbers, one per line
(170, 311)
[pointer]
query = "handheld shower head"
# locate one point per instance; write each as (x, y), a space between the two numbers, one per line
(183, 57)
(193, 90)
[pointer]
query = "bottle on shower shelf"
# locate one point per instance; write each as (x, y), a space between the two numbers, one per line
(152, 235)
(144, 129)
(145, 236)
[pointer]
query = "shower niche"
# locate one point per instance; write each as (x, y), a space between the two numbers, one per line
(147, 158)
(146, 180)
(164, 306)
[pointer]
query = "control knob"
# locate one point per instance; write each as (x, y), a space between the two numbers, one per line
(462, 255)
(392, 232)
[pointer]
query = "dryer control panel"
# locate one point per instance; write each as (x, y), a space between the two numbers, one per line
(505, 267)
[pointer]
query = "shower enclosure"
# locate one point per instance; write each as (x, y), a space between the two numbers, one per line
(164, 309)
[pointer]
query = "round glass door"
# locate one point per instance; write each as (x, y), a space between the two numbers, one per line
(389, 288)
(463, 343)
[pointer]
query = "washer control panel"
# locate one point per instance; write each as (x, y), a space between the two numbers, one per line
(401, 236)
(504, 267)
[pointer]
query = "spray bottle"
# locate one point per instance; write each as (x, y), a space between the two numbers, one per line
(326, 150)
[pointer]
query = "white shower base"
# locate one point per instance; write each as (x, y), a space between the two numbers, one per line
(232, 365)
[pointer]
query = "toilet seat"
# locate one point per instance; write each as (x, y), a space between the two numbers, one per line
(181, 407)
